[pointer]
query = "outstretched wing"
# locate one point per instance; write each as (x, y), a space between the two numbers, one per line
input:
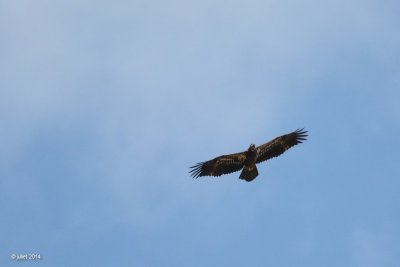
(279, 145)
(220, 165)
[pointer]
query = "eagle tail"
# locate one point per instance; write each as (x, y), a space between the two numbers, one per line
(249, 174)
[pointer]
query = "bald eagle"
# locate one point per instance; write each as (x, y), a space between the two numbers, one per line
(247, 160)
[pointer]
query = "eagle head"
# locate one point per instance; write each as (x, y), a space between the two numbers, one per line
(252, 147)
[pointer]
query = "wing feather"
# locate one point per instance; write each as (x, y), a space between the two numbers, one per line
(279, 145)
(220, 165)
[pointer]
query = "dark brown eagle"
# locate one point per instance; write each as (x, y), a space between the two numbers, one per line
(247, 160)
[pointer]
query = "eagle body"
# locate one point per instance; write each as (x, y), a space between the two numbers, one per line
(251, 156)
(250, 171)
(247, 160)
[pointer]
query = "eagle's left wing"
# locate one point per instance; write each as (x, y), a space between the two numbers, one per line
(220, 165)
(280, 144)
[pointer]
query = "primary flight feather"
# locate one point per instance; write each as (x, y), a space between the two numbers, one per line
(247, 160)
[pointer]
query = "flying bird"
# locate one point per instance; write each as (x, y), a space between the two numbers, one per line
(247, 160)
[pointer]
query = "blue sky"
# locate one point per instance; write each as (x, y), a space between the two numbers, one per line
(104, 106)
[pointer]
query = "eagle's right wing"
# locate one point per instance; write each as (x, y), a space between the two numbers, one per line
(280, 144)
(220, 165)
